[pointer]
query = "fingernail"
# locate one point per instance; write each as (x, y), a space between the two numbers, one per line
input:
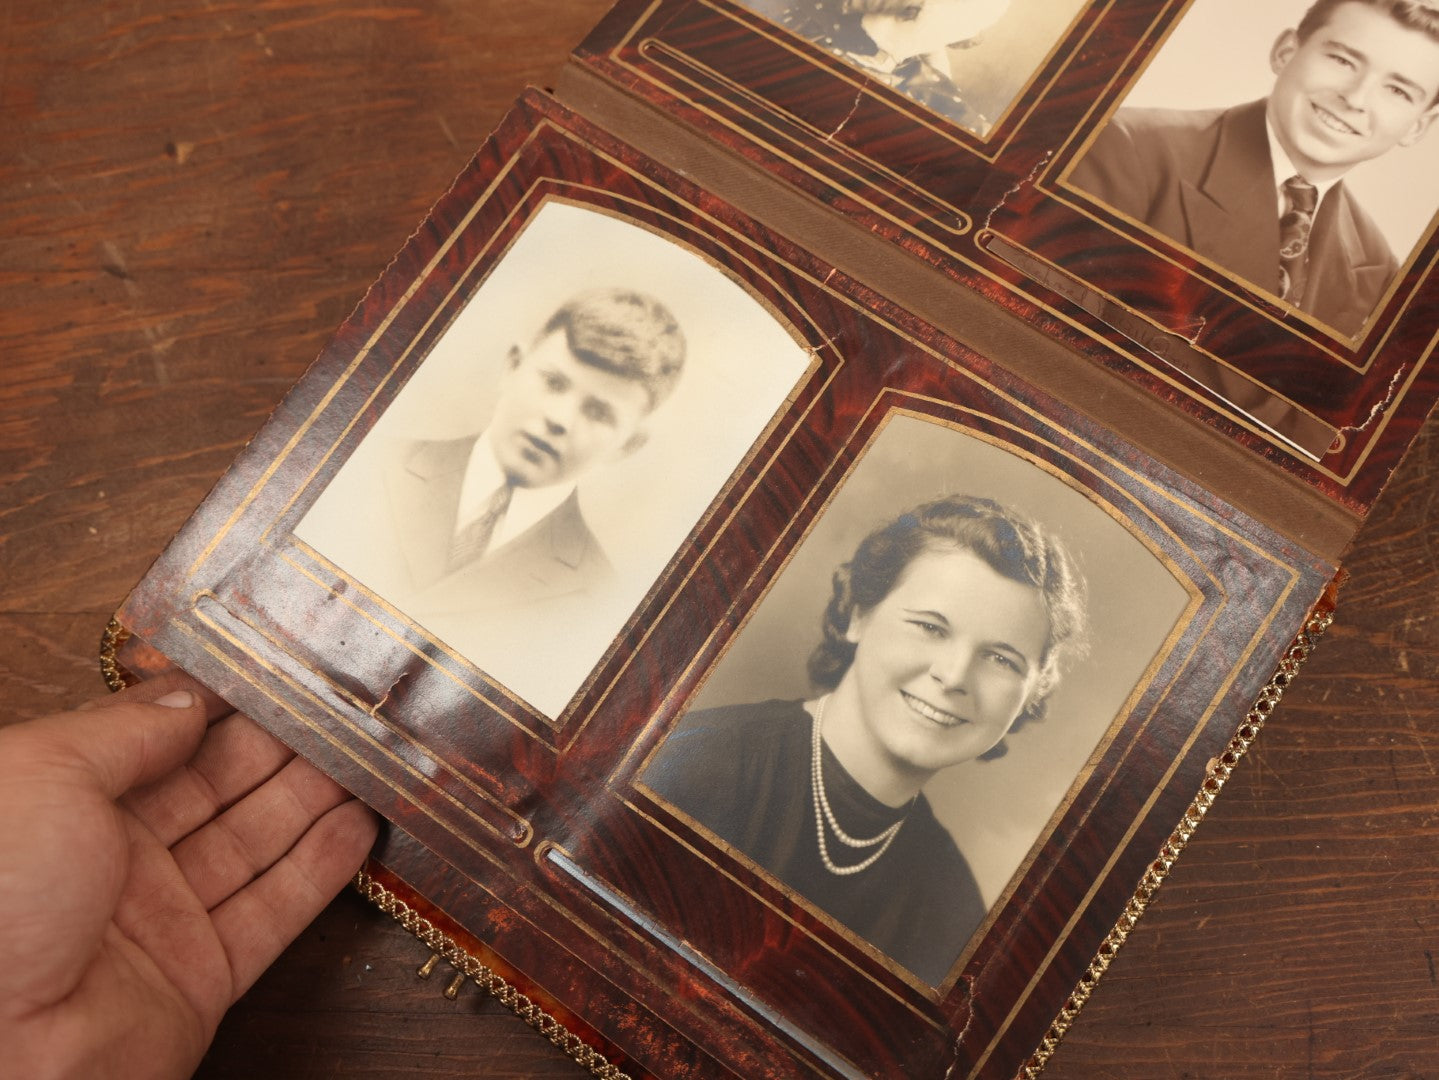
(176, 699)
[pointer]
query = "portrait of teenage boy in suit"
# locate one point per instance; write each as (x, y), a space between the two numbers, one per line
(481, 539)
(523, 464)
(1259, 188)
(494, 520)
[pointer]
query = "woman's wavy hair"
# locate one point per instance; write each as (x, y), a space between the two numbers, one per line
(1013, 545)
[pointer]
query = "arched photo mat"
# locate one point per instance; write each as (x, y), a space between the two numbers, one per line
(996, 810)
(741, 365)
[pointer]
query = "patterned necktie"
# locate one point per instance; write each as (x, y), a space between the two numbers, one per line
(471, 542)
(1300, 199)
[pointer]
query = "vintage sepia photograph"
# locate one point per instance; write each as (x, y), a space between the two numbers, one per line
(1284, 143)
(524, 490)
(902, 714)
(967, 60)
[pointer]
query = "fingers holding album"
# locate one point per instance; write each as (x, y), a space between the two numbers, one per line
(257, 923)
(235, 758)
(160, 687)
(160, 862)
(240, 844)
(122, 741)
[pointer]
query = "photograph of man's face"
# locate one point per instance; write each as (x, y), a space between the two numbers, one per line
(558, 414)
(1290, 166)
(1352, 88)
(520, 495)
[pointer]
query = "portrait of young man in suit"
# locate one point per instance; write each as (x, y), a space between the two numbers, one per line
(513, 495)
(481, 539)
(1259, 189)
(494, 520)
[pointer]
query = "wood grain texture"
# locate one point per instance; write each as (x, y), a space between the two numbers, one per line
(195, 198)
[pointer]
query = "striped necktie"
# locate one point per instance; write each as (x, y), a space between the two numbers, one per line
(1300, 199)
(471, 542)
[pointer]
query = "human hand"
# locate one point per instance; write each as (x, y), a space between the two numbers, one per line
(151, 867)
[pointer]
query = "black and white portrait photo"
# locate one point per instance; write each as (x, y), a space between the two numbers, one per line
(525, 488)
(1285, 143)
(966, 60)
(894, 726)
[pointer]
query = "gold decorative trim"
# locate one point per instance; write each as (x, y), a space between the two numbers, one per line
(468, 967)
(1219, 771)
(117, 676)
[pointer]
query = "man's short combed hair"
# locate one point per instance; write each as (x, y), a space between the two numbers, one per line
(1420, 15)
(626, 333)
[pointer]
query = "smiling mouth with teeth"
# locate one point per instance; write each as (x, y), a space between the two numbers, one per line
(1332, 122)
(930, 713)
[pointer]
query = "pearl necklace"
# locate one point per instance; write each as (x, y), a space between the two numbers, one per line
(824, 815)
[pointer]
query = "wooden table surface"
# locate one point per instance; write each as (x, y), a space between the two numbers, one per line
(192, 198)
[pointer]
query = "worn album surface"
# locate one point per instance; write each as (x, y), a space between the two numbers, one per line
(797, 539)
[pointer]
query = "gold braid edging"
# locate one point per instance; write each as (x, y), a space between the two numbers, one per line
(115, 674)
(1219, 771)
(444, 946)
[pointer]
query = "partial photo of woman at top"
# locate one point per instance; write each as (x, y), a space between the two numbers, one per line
(903, 44)
(945, 632)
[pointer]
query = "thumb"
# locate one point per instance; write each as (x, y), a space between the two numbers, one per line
(63, 866)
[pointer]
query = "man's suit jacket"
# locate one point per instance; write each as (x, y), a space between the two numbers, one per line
(557, 556)
(536, 612)
(1205, 180)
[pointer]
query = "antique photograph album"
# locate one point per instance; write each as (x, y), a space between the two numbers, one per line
(799, 536)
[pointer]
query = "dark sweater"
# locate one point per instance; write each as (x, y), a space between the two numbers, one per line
(743, 772)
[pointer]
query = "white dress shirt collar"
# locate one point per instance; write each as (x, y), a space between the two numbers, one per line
(483, 477)
(1284, 168)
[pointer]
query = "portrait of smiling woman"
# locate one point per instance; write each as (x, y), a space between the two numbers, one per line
(949, 626)
(899, 717)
